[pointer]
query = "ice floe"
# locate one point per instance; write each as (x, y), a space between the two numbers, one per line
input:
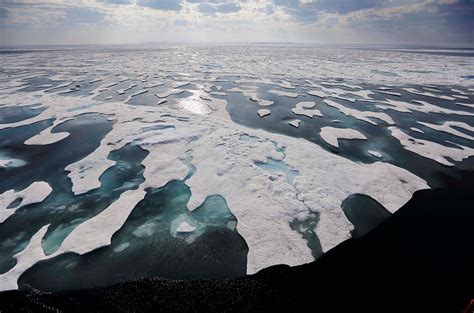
(428, 94)
(420, 106)
(24, 260)
(295, 123)
(390, 93)
(430, 149)
(169, 93)
(47, 137)
(332, 135)
(184, 227)
(104, 225)
(306, 108)
(447, 127)
(34, 193)
(264, 112)
(361, 115)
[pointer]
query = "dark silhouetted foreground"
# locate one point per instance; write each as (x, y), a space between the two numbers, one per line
(420, 260)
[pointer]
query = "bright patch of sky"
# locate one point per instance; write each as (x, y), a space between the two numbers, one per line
(42, 22)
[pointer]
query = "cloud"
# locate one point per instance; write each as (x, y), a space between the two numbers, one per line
(344, 6)
(163, 5)
(117, 1)
(396, 21)
(208, 8)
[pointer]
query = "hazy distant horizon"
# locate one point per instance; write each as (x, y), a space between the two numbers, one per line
(151, 45)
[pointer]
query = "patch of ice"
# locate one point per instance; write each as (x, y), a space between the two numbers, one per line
(264, 112)
(295, 123)
(421, 106)
(431, 150)
(361, 115)
(24, 260)
(317, 93)
(102, 226)
(47, 137)
(169, 93)
(391, 93)
(265, 103)
(447, 127)
(417, 130)
(302, 108)
(35, 193)
(184, 227)
(469, 105)
(332, 135)
(428, 94)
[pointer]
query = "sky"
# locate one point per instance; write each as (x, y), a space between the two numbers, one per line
(65, 22)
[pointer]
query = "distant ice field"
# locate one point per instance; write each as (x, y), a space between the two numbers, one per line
(215, 162)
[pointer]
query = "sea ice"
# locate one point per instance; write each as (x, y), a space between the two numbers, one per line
(302, 108)
(184, 227)
(264, 112)
(431, 150)
(295, 123)
(34, 193)
(361, 115)
(331, 135)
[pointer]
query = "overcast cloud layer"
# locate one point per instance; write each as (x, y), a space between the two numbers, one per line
(201, 21)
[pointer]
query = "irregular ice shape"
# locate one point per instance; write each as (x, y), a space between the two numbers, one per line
(97, 232)
(302, 109)
(417, 130)
(47, 137)
(248, 91)
(447, 127)
(431, 150)
(95, 80)
(339, 93)
(295, 123)
(286, 84)
(361, 115)
(317, 93)
(123, 91)
(420, 106)
(428, 94)
(265, 103)
(169, 93)
(24, 260)
(184, 227)
(264, 112)
(391, 93)
(34, 193)
(180, 84)
(331, 135)
(469, 105)
(139, 92)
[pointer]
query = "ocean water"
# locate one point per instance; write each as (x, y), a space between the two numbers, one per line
(225, 191)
